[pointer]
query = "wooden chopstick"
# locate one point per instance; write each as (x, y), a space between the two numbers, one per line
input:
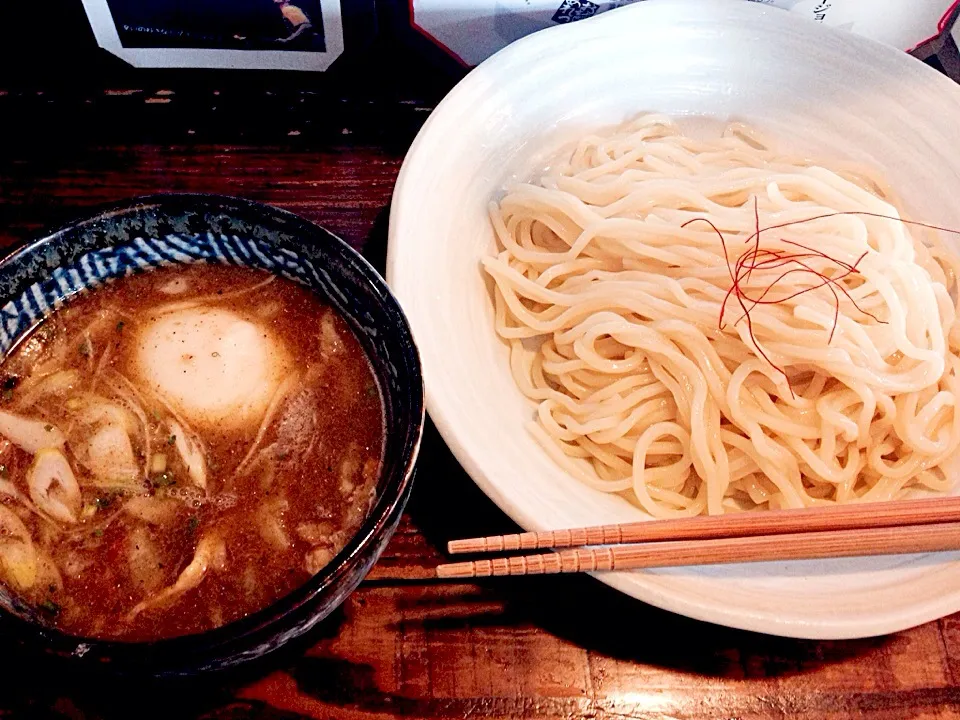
(860, 516)
(796, 546)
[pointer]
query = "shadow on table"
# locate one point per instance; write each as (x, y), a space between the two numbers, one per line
(446, 504)
(375, 247)
(40, 688)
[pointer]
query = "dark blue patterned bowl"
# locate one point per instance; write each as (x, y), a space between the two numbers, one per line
(163, 230)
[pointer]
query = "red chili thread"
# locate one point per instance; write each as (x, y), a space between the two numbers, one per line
(748, 261)
(735, 286)
(756, 244)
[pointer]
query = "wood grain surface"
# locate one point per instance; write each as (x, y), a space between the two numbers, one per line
(403, 645)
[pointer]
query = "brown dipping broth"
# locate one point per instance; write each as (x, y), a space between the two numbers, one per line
(251, 536)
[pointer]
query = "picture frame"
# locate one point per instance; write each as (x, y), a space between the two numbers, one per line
(306, 35)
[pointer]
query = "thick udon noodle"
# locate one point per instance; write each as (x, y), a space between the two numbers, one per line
(612, 307)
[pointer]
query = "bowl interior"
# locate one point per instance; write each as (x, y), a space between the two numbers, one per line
(826, 94)
(170, 230)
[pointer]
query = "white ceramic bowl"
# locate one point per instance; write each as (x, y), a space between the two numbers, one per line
(824, 92)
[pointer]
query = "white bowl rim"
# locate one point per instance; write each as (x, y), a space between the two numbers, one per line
(837, 628)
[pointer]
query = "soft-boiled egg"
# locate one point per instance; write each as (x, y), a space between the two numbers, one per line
(212, 365)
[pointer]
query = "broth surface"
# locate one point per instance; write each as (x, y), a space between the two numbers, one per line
(181, 448)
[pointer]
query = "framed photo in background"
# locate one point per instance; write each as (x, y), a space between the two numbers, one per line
(244, 34)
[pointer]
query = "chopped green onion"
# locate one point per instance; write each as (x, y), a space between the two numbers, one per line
(164, 479)
(104, 501)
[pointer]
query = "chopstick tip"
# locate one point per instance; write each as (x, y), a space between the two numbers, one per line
(450, 571)
(465, 545)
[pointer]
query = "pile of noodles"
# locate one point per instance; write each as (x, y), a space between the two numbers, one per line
(658, 379)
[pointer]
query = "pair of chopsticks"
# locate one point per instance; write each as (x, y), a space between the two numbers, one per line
(882, 528)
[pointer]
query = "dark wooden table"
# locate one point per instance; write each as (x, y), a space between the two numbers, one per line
(403, 646)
